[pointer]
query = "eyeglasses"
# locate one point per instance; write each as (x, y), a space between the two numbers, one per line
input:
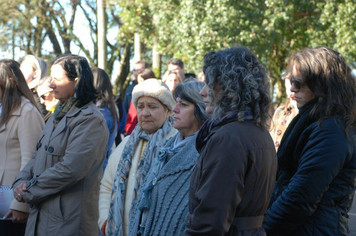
(298, 84)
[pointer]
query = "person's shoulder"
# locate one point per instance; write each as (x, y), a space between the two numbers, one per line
(116, 153)
(89, 109)
(328, 128)
(225, 134)
(244, 133)
(27, 106)
(238, 127)
(330, 123)
(105, 110)
(89, 112)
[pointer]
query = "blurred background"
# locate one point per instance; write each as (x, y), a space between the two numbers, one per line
(113, 34)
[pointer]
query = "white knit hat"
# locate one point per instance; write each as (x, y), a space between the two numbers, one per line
(156, 89)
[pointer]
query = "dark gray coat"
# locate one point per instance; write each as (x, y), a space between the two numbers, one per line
(64, 175)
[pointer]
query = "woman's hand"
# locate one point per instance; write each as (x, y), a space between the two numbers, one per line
(17, 216)
(18, 191)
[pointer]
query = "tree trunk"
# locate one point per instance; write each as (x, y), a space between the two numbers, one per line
(137, 48)
(102, 30)
(124, 70)
(53, 38)
(156, 59)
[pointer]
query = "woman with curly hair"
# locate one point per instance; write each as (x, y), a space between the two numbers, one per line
(234, 175)
(317, 160)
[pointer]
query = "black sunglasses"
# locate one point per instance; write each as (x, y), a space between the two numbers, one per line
(298, 84)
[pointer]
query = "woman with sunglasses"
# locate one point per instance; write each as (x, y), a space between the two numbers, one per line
(316, 179)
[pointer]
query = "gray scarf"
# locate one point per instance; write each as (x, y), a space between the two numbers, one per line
(117, 203)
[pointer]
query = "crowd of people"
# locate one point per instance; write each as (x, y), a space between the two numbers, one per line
(185, 155)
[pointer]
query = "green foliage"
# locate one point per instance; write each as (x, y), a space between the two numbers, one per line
(188, 29)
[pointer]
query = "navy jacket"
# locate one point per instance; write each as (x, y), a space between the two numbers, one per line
(313, 194)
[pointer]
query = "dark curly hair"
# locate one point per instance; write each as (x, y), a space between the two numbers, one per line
(240, 83)
(327, 74)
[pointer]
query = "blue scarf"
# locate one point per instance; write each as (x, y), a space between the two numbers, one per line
(118, 193)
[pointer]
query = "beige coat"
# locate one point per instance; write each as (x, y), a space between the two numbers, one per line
(64, 176)
(18, 140)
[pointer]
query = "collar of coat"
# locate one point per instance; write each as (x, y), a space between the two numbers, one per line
(73, 112)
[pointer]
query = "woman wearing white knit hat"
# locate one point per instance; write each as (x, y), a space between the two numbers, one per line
(162, 205)
(130, 162)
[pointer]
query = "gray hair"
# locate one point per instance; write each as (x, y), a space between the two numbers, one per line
(243, 83)
(189, 91)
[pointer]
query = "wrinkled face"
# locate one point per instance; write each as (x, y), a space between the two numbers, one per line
(300, 91)
(172, 81)
(208, 100)
(62, 87)
(27, 70)
(184, 118)
(151, 114)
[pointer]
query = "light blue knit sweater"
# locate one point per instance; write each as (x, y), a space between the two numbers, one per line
(168, 201)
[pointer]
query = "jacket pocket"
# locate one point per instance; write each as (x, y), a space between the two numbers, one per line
(52, 207)
(56, 207)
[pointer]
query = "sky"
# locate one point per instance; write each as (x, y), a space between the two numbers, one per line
(81, 29)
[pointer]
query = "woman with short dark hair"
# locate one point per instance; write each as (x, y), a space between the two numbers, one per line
(62, 181)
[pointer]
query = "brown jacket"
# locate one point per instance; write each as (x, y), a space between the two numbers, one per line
(64, 176)
(232, 181)
(18, 140)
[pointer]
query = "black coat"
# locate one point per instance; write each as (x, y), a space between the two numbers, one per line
(233, 178)
(314, 191)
